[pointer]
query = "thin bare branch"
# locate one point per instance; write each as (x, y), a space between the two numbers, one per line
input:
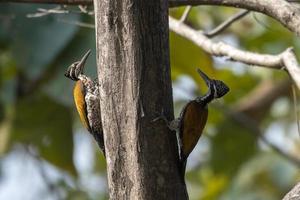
(185, 14)
(283, 11)
(84, 9)
(285, 60)
(226, 23)
(65, 2)
(290, 62)
(43, 12)
(296, 109)
(222, 49)
(61, 9)
(78, 23)
(172, 3)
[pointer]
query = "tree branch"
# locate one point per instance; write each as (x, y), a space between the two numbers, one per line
(285, 60)
(281, 10)
(291, 64)
(226, 23)
(294, 194)
(257, 103)
(247, 4)
(66, 2)
(185, 14)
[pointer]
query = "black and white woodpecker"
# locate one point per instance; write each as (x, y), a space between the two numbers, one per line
(193, 117)
(86, 97)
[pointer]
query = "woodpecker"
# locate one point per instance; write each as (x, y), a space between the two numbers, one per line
(86, 97)
(192, 119)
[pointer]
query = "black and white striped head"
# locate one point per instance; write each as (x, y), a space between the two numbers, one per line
(76, 68)
(219, 88)
(216, 88)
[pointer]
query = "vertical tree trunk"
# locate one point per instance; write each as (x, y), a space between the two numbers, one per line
(135, 86)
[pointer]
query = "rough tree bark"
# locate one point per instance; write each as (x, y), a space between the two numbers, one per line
(134, 74)
(294, 194)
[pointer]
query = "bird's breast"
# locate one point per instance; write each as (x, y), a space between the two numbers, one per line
(79, 98)
(194, 120)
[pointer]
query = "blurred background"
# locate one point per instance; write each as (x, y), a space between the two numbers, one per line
(250, 147)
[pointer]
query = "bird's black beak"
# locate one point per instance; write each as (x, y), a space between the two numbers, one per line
(76, 68)
(216, 88)
(81, 64)
(207, 80)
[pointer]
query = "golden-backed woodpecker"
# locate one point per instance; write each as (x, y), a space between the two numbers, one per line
(86, 97)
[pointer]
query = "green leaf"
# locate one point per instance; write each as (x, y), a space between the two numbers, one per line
(186, 57)
(82, 41)
(265, 176)
(36, 41)
(46, 125)
(100, 162)
(231, 146)
(5, 127)
(239, 84)
(267, 35)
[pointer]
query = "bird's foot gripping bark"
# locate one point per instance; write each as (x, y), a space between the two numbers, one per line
(172, 125)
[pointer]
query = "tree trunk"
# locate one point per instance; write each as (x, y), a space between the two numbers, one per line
(135, 87)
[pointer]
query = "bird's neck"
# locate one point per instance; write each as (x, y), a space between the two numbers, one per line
(207, 98)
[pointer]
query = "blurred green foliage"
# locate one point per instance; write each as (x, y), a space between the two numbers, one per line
(37, 111)
(47, 125)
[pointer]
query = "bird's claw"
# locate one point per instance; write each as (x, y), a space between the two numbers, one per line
(161, 117)
(172, 125)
